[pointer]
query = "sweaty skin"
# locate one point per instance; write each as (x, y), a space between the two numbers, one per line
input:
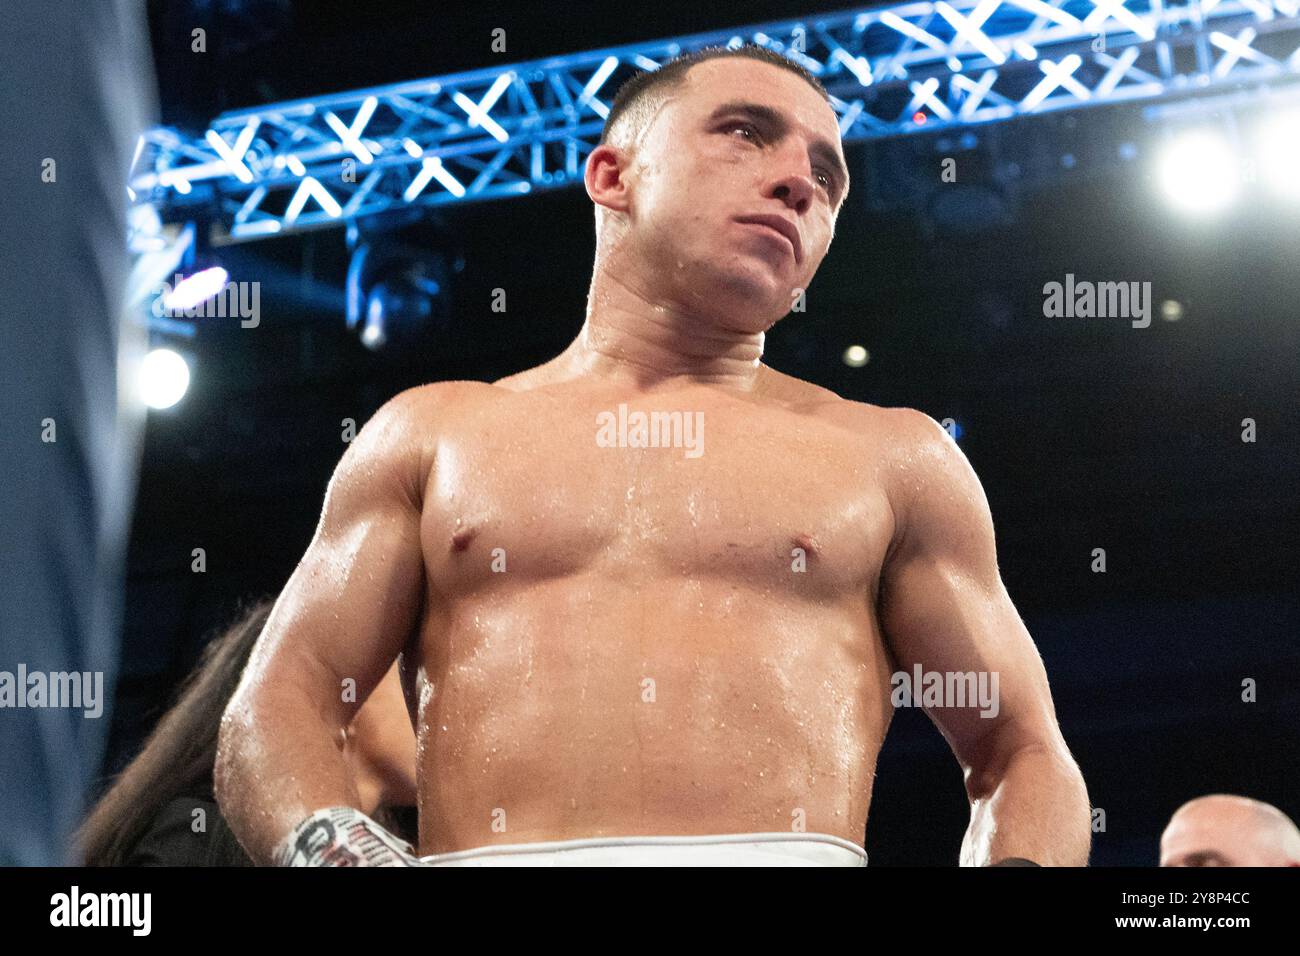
(641, 641)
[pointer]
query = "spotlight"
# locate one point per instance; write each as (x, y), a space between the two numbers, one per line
(372, 336)
(397, 294)
(855, 356)
(1198, 172)
(164, 378)
(195, 289)
(197, 278)
(1279, 145)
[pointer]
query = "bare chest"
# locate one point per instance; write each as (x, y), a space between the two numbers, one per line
(537, 487)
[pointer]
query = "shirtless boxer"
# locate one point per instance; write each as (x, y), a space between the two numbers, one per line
(1225, 830)
(654, 654)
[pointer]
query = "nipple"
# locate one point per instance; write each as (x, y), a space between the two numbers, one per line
(808, 543)
(461, 538)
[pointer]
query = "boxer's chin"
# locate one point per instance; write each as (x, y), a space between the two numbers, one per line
(747, 298)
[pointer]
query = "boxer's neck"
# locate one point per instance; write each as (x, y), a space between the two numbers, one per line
(629, 335)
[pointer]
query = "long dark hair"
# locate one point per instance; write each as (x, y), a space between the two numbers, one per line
(177, 759)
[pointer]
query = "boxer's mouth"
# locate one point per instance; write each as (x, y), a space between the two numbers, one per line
(780, 225)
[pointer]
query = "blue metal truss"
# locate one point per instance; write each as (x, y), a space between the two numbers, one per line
(514, 129)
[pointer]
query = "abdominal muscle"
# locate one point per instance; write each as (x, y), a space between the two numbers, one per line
(588, 706)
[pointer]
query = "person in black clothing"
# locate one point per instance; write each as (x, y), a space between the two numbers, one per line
(161, 812)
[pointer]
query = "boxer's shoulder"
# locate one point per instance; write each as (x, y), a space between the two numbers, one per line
(895, 429)
(911, 430)
(912, 448)
(898, 428)
(420, 411)
(445, 397)
(909, 444)
(929, 481)
(397, 442)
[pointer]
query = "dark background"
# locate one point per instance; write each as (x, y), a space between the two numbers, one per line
(1085, 433)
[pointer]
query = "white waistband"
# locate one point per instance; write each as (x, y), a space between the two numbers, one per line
(732, 849)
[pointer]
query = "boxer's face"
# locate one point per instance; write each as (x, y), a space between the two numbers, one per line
(739, 138)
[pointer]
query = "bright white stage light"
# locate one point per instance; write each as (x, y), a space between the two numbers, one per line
(1199, 172)
(1279, 161)
(855, 356)
(197, 288)
(164, 378)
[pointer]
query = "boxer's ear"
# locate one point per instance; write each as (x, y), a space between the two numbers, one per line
(605, 177)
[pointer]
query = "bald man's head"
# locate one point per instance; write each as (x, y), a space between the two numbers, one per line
(1226, 830)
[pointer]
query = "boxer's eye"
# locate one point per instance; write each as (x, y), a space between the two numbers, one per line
(824, 176)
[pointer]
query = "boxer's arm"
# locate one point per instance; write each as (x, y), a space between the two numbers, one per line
(943, 606)
(345, 614)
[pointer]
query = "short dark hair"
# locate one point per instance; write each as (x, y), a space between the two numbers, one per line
(673, 74)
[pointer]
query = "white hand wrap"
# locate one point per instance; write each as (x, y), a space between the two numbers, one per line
(343, 836)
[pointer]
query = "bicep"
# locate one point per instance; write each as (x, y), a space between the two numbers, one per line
(943, 606)
(353, 599)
